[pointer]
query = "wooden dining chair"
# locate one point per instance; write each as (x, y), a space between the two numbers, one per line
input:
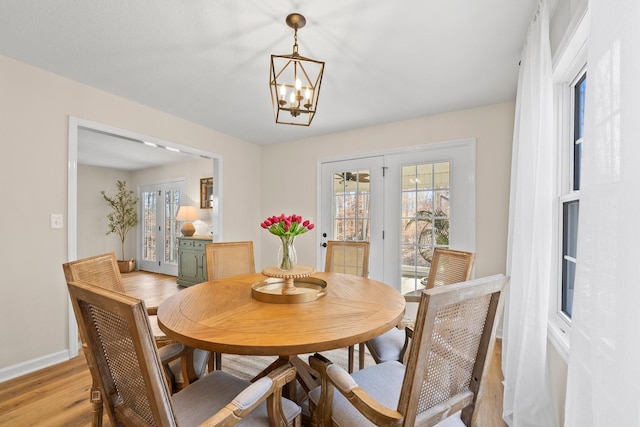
(102, 271)
(448, 266)
(350, 258)
(448, 360)
(123, 356)
(226, 259)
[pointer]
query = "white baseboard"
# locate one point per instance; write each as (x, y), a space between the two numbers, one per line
(33, 365)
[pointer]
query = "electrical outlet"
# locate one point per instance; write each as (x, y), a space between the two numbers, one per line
(56, 221)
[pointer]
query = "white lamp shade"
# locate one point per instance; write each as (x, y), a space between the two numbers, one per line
(187, 213)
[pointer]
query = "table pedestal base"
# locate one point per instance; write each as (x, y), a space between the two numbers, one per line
(307, 377)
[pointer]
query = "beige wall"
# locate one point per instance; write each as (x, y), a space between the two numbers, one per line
(93, 210)
(34, 111)
(492, 126)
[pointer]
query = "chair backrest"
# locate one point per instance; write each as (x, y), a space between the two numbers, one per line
(122, 355)
(449, 266)
(99, 270)
(451, 350)
(226, 259)
(347, 257)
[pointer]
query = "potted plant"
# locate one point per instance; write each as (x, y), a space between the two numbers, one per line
(122, 218)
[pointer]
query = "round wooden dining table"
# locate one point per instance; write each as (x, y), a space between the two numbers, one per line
(222, 316)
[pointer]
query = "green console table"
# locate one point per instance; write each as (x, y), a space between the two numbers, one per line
(192, 261)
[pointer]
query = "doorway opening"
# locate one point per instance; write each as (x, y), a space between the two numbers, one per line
(121, 140)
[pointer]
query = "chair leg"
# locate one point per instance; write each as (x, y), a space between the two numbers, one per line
(171, 379)
(96, 405)
(350, 359)
(218, 361)
(361, 355)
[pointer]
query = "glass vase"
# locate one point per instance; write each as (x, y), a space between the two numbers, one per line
(287, 257)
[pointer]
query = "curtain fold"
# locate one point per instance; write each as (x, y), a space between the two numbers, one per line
(527, 400)
(603, 384)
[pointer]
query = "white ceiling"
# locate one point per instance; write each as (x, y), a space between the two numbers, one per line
(207, 61)
(111, 151)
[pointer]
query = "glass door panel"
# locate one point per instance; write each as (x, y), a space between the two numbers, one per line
(352, 207)
(171, 226)
(425, 219)
(160, 230)
(149, 225)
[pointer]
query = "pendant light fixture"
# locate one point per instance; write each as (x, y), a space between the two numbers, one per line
(295, 82)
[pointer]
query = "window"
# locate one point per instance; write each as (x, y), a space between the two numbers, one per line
(570, 83)
(571, 196)
(571, 200)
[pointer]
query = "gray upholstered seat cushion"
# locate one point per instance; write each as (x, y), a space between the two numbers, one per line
(387, 346)
(209, 394)
(383, 382)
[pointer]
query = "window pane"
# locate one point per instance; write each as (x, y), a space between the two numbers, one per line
(578, 129)
(568, 279)
(569, 245)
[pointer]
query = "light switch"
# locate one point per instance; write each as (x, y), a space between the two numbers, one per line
(56, 221)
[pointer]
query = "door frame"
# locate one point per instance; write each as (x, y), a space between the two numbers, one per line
(75, 123)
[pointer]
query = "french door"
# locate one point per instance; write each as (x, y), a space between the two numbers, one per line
(351, 208)
(405, 204)
(430, 202)
(160, 230)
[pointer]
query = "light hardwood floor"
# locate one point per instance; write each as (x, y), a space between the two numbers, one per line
(58, 395)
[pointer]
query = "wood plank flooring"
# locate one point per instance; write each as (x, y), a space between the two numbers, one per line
(58, 395)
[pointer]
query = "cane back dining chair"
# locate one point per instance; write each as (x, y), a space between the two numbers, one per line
(448, 266)
(102, 271)
(349, 257)
(225, 259)
(448, 359)
(124, 358)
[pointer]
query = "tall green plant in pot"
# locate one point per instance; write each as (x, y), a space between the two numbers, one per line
(122, 218)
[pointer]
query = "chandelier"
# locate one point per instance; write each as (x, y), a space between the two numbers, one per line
(295, 81)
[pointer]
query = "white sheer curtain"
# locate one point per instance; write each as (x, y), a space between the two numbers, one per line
(527, 399)
(603, 385)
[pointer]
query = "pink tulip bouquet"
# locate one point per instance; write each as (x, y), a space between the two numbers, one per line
(287, 228)
(292, 225)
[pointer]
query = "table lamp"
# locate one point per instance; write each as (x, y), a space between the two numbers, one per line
(187, 214)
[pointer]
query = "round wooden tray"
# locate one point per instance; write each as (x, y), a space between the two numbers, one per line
(289, 287)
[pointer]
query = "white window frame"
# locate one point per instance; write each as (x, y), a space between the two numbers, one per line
(569, 66)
